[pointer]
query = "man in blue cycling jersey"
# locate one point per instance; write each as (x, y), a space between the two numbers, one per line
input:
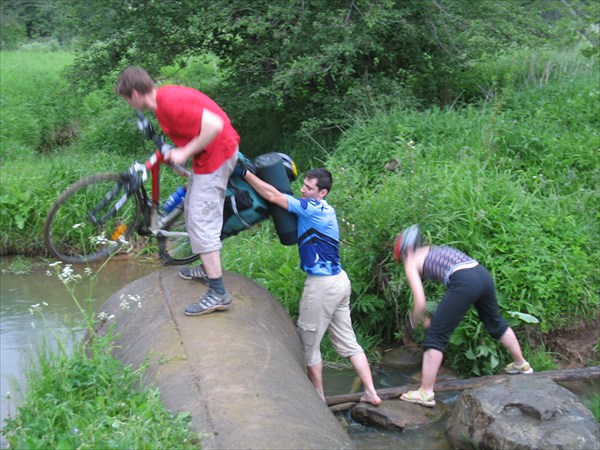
(325, 302)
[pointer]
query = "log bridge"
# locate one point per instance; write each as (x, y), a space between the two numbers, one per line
(344, 402)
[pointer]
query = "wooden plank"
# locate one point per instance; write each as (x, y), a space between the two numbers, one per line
(586, 373)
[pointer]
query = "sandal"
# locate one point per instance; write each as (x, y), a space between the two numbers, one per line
(419, 397)
(513, 368)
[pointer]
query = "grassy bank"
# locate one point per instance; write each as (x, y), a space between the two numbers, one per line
(512, 181)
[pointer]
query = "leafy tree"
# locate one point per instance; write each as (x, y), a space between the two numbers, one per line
(313, 65)
(23, 20)
(319, 63)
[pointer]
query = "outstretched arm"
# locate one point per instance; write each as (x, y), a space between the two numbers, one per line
(266, 191)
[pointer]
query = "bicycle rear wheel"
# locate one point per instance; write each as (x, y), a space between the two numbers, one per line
(71, 233)
(175, 249)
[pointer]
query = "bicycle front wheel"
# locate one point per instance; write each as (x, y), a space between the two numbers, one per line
(91, 219)
(173, 243)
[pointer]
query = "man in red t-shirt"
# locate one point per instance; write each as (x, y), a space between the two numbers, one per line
(202, 131)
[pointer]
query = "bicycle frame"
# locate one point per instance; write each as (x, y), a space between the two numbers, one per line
(152, 165)
(138, 173)
(157, 221)
(97, 207)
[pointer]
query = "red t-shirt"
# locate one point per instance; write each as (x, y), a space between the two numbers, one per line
(179, 112)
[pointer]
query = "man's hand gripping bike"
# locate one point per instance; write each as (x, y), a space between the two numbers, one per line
(94, 217)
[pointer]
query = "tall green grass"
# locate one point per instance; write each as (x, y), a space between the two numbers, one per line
(50, 137)
(37, 104)
(513, 182)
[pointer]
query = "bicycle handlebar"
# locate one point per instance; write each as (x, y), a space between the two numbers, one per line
(146, 127)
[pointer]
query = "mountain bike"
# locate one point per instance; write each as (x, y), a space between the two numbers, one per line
(94, 217)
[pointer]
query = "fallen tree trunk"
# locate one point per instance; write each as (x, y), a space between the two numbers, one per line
(346, 401)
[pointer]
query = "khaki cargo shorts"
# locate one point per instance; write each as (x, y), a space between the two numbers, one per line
(204, 207)
(325, 306)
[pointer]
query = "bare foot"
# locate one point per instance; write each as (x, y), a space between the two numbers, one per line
(373, 399)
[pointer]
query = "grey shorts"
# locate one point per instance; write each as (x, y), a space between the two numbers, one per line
(204, 207)
(325, 306)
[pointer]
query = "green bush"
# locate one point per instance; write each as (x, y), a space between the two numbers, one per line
(110, 127)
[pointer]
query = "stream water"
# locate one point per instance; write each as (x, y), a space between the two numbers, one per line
(21, 333)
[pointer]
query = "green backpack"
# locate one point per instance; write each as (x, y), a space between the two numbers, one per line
(243, 207)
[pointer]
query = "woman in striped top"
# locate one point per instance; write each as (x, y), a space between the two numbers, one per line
(468, 283)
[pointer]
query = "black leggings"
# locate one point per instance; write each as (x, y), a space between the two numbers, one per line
(467, 287)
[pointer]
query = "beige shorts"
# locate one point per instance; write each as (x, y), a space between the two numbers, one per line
(204, 207)
(325, 306)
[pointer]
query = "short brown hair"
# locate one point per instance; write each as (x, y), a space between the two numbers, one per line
(323, 177)
(134, 78)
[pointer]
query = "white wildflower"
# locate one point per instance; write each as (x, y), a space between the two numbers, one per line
(100, 240)
(37, 307)
(124, 303)
(127, 300)
(102, 316)
(68, 276)
(77, 225)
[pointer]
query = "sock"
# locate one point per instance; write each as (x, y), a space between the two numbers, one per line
(217, 285)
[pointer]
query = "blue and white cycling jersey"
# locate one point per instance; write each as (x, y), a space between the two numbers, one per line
(318, 236)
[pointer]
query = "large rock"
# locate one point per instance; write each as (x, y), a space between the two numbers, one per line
(239, 372)
(521, 412)
(398, 415)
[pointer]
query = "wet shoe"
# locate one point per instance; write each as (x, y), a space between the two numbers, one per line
(194, 273)
(210, 302)
(512, 368)
(419, 397)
